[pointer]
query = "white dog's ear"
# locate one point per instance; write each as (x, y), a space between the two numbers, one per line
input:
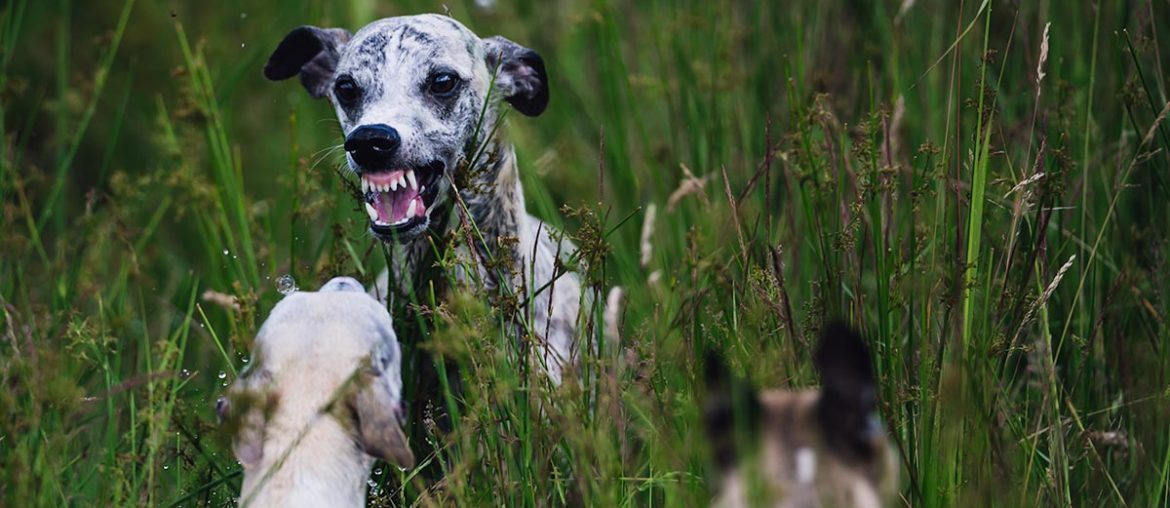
(520, 74)
(243, 414)
(375, 402)
(311, 52)
(379, 427)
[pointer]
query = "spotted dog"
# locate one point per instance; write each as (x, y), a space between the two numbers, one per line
(803, 449)
(419, 99)
(321, 399)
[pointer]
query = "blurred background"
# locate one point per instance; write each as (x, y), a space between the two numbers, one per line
(979, 185)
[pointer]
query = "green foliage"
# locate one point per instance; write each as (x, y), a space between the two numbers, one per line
(1000, 236)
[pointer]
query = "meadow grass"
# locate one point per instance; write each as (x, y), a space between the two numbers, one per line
(981, 185)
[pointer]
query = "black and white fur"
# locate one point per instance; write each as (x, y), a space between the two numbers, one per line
(446, 143)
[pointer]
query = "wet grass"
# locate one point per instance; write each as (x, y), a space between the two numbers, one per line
(980, 185)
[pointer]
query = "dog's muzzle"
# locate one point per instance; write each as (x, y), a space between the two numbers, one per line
(398, 196)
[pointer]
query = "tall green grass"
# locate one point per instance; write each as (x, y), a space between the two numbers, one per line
(1001, 238)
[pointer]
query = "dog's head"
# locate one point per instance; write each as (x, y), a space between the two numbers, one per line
(821, 447)
(414, 96)
(323, 364)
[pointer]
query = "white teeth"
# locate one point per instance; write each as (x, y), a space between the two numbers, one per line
(404, 179)
(410, 209)
(372, 212)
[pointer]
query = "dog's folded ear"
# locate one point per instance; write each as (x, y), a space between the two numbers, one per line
(374, 404)
(519, 74)
(311, 52)
(731, 410)
(847, 407)
(379, 430)
(243, 413)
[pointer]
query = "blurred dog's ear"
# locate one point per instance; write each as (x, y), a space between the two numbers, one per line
(519, 74)
(731, 408)
(378, 423)
(243, 414)
(311, 52)
(847, 406)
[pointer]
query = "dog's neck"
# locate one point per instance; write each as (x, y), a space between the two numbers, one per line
(492, 197)
(481, 211)
(324, 468)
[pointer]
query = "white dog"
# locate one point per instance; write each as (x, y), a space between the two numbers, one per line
(320, 401)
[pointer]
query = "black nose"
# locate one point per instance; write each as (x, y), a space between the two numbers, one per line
(372, 146)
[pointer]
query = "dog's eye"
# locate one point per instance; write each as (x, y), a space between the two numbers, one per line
(443, 84)
(346, 91)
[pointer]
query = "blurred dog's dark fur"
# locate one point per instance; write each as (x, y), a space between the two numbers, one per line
(810, 448)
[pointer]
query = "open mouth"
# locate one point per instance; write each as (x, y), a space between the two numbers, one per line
(399, 200)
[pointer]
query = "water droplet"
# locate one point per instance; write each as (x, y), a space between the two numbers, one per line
(166, 466)
(378, 471)
(371, 483)
(222, 375)
(185, 374)
(246, 359)
(286, 284)
(226, 252)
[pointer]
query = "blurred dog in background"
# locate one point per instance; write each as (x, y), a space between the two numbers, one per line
(803, 449)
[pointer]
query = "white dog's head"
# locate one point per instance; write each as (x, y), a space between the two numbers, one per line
(322, 398)
(414, 94)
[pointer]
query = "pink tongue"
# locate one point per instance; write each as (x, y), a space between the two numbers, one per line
(392, 206)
